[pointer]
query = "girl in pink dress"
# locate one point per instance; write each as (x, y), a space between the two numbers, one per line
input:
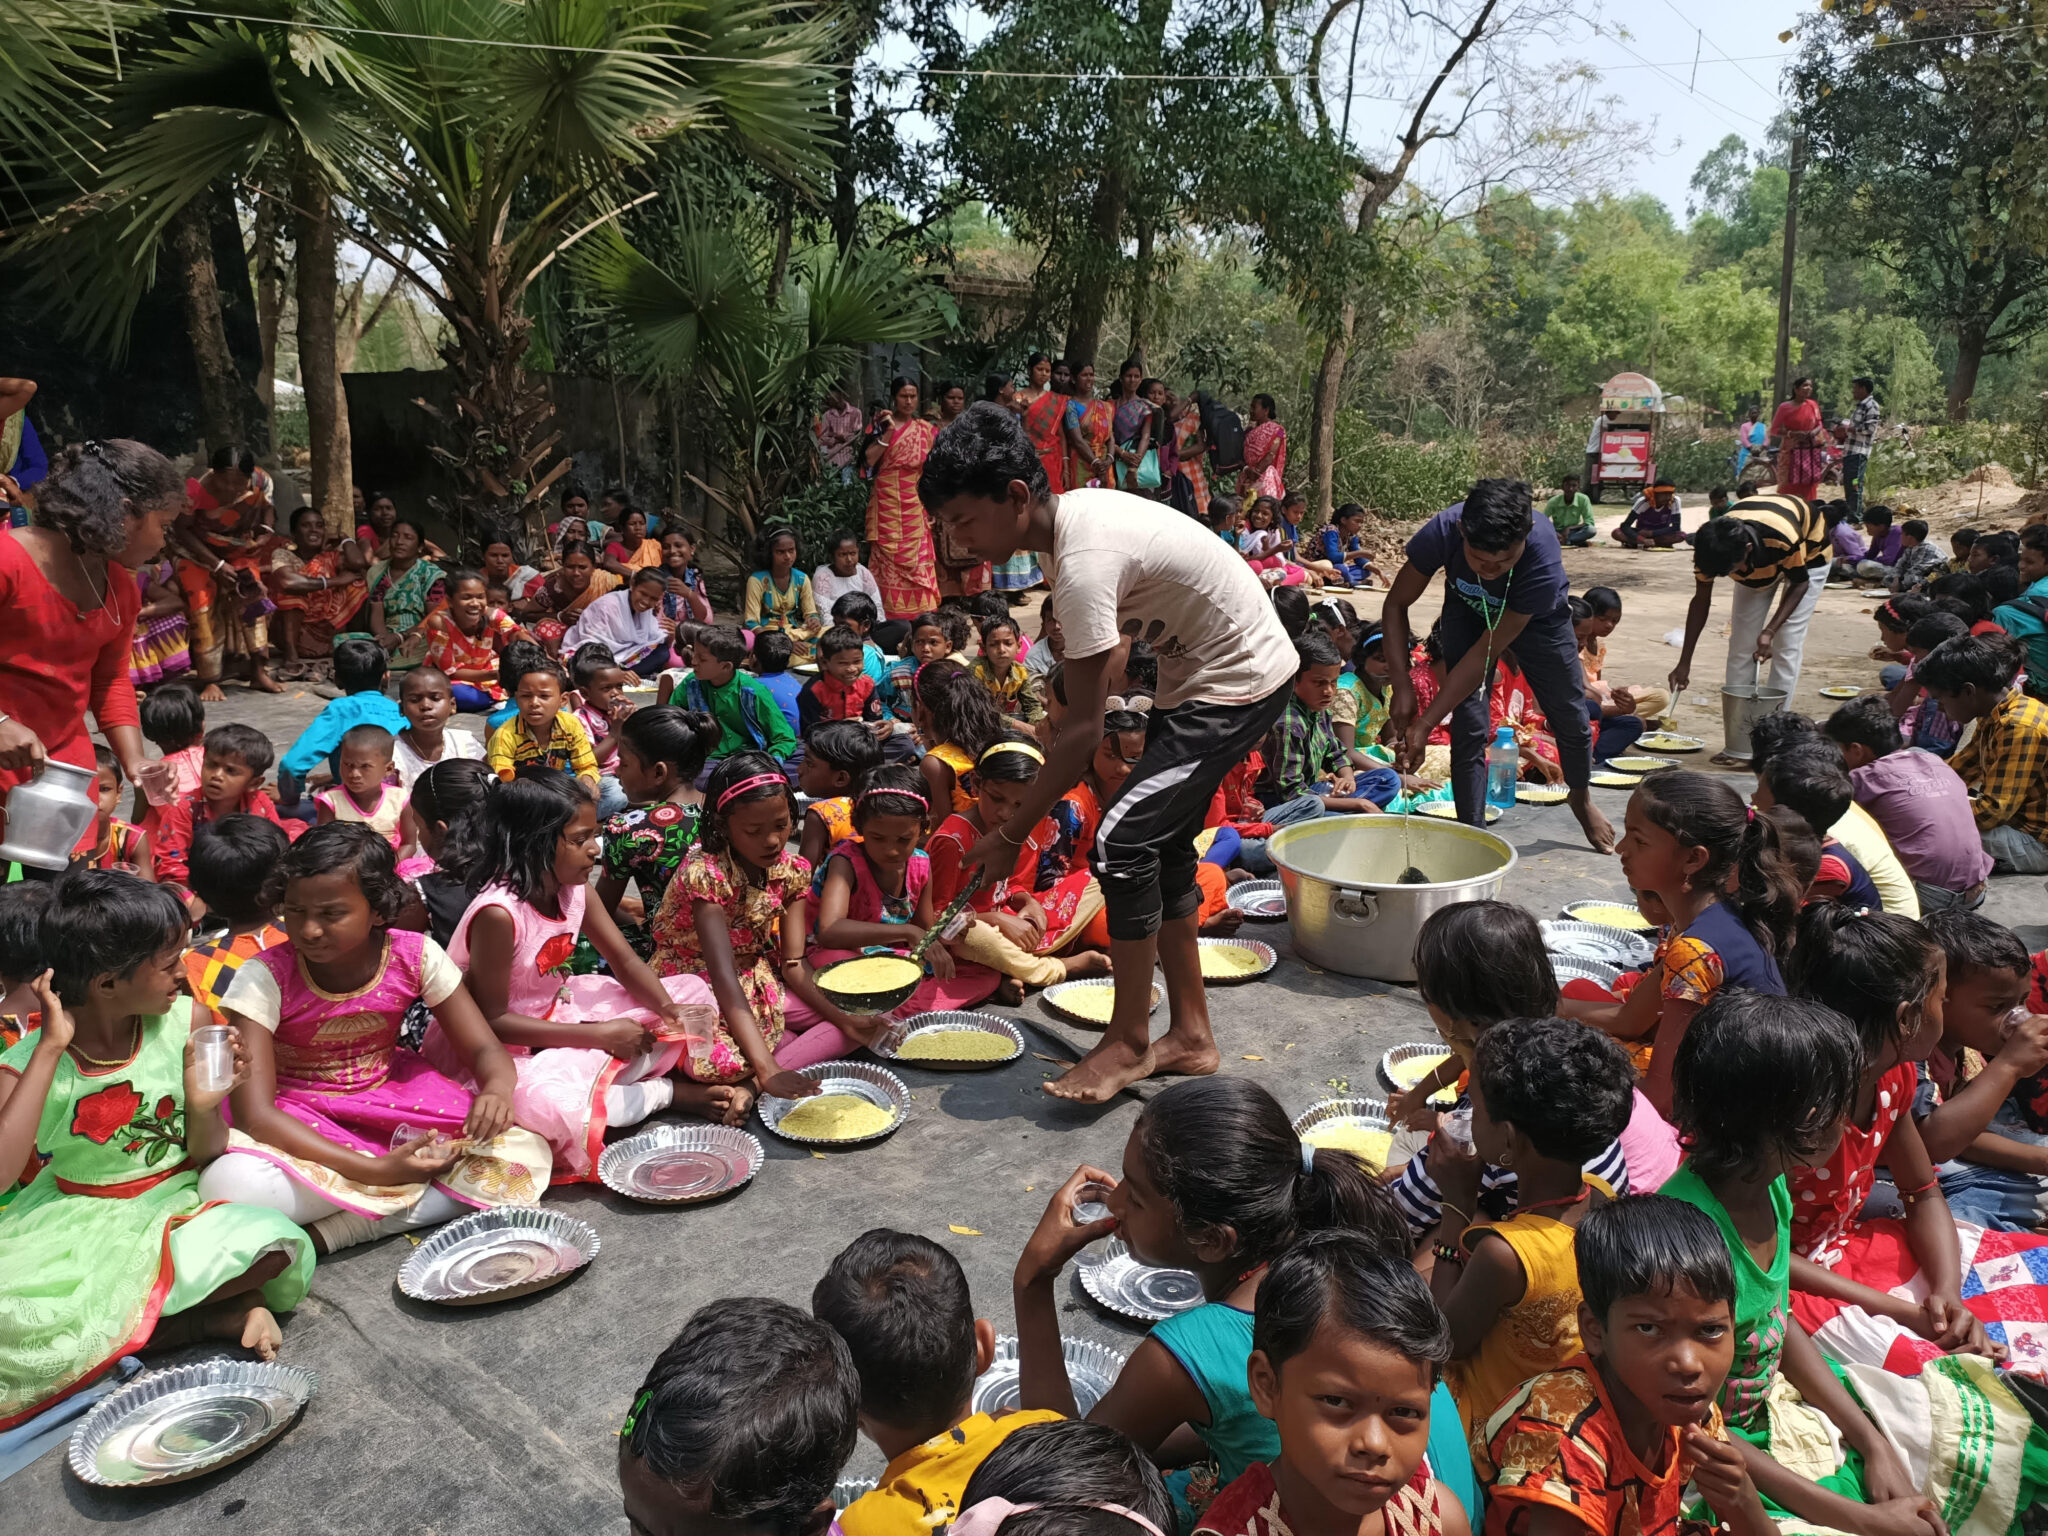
(735, 912)
(339, 1126)
(874, 891)
(591, 1052)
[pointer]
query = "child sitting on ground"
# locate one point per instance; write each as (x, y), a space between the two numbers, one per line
(923, 642)
(360, 667)
(737, 913)
(361, 791)
(600, 706)
(860, 613)
(1596, 614)
(441, 796)
(837, 755)
(2005, 764)
(84, 1278)
(662, 750)
(1807, 778)
(1852, 1270)
(1761, 1089)
(542, 734)
(1605, 1444)
(1071, 1469)
(1918, 559)
(116, 844)
(843, 575)
(1687, 835)
(230, 780)
(749, 719)
(469, 639)
(427, 701)
(772, 654)
(741, 1426)
(1215, 1181)
(1853, 829)
(1922, 720)
(231, 861)
(901, 1304)
(842, 690)
(174, 721)
(873, 888)
(1344, 556)
(1346, 1344)
(1987, 1134)
(1016, 930)
(998, 670)
(21, 957)
(957, 719)
(1917, 801)
(1547, 1096)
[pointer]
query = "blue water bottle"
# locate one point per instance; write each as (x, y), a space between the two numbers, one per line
(1503, 765)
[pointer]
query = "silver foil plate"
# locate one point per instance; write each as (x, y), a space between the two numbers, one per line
(1405, 1053)
(681, 1164)
(1261, 901)
(1120, 1283)
(1092, 1369)
(496, 1255)
(1575, 913)
(1596, 941)
(847, 1489)
(1569, 968)
(890, 1042)
(1268, 958)
(1053, 995)
(875, 1084)
(187, 1421)
(1360, 1113)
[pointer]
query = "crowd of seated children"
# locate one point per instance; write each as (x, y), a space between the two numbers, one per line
(1919, 804)
(1973, 679)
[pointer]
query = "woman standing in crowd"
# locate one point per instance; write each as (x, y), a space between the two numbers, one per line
(1800, 440)
(1131, 424)
(899, 533)
(222, 544)
(1094, 432)
(1046, 418)
(1191, 449)
(68, 590)
(1265, 452)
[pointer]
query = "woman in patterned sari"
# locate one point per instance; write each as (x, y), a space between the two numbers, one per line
(552, 605)
(1265, 453)
(1044, 414)
(1130, 425)
(222, 547)
(404, 588)
(902, 558)
(1191, 447)
(1801, 442)
(161, 651)
(1094, 427)
(315, 592)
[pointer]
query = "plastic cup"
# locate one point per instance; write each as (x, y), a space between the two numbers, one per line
(213, 1057)
(1091, 1204)
(1456, 1128)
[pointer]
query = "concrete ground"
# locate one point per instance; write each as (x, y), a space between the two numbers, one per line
(476, 1422)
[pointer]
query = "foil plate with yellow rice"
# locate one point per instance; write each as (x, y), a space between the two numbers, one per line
(856, 1102)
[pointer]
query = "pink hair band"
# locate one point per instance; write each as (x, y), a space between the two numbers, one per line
(868, 794)
(755, 782)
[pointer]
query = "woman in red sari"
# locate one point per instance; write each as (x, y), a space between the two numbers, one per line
(1092, 425)
(904, 563)
(223, 548)
(315, 592)
(1265, 453)
(67, 586)
(1045, 418)
(1800, 439)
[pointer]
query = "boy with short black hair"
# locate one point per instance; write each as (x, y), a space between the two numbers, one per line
(901, 1304)
(1808, 777)
(361, 790)
(1918, 559)
(773, 652)
(749, 719)
(1987, 1134)
(836, 754)
(359, 672)
(2005, 764)
(229, 863)
(741, 1426)
(230, 782)
(542, 732)
(2025, 618)
(21, 957)
(842, 690)
(1916, 798)
(1606, 1442)
(600, 706)
(858, 612)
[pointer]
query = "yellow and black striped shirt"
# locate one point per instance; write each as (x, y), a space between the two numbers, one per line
(1792, 535)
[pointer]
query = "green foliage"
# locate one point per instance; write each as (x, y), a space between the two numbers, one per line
(1399, 477)
(1940, 453)
(820, 508)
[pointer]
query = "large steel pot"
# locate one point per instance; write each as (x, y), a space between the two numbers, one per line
(1344, 906)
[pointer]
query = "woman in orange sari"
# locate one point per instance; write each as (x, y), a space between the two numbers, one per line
(1265, 453)
(1045, 419)
(222, 547)
(1094, 425)
(901, 556)
(1193, 449)
(315, 592)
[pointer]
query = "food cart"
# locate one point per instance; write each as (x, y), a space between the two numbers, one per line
(1630, 404)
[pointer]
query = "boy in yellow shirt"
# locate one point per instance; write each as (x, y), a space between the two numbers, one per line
(901, 1303)
(542, 733)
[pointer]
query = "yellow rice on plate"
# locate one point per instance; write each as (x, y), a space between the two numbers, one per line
(836, 1117)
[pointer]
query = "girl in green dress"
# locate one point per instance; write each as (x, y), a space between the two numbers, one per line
(1762, 1085)
(109, 1247)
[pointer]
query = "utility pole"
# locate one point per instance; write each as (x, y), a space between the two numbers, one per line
(1784, 362)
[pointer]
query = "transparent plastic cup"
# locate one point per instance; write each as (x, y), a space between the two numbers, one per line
(1091, 1203)
(1456, 1127)
(213, 1057)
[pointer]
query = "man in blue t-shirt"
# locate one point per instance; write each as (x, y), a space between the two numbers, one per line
(1504, 585)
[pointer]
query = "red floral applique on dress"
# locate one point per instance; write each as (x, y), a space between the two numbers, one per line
(99, 1115)
(555, 953)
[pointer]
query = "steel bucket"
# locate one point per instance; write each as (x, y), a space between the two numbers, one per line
(1741, 707)
(1344, 906)
(49, 814)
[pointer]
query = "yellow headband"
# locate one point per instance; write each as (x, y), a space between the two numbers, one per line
(1012, 746)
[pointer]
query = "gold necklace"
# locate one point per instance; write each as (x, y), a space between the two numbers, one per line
(134, 1043)
(104, 593)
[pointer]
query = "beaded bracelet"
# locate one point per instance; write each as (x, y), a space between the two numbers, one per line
(1448, 1254)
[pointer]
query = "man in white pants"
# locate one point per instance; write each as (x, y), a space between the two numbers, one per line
(1766, 545)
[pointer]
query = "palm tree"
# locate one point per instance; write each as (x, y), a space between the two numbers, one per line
(697, 319)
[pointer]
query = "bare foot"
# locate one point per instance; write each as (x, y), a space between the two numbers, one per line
(1175, 1056)
(263, 682)
(720, 1103)
(1009, 992)
(245, 1320)
(211, 694)
(1599, 832)
(1087, 962)
(1102, 1074)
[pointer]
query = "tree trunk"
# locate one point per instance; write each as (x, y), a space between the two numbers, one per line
(1322, 439)
(191, 244)
(1962, 383)
(317, 275)
(1141, 296)
(269, 304)
(845, 206)
(1091, 277)
(779, 268)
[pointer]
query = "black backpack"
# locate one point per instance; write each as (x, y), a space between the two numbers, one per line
(1225, 430)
